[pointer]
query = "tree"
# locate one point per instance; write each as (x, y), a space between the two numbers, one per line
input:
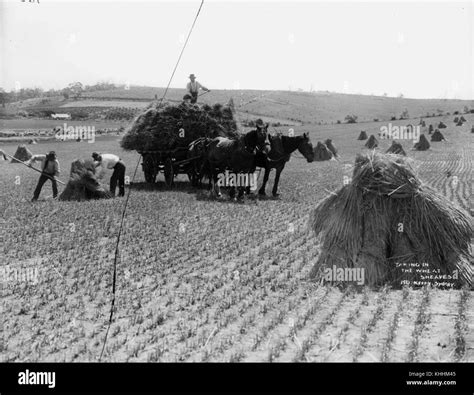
(351, 118)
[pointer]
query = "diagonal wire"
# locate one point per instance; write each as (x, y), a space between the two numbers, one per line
(114, 281)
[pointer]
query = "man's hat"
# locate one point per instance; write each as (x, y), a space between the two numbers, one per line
(192, 75)
(95, 154)
(52, 153)
(259, 122)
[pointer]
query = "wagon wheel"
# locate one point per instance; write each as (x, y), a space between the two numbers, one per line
(169, 173)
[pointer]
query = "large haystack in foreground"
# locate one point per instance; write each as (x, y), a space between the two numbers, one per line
(423, 144)
(372, 142)
(396, 148)
(322, 152)
(83, 184)
(387, 222)
(437, 136)
(22, 154)
(170, 126)
(362, 135)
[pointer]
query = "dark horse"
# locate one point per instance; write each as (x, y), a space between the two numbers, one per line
(281, 148)
(236, 156)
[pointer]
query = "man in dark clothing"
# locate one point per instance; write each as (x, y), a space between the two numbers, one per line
(49, 169)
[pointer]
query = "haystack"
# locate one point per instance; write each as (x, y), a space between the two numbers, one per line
(462, 119)
(422, 144)
(32, 141)
(22, 154)
(459, 123)
(387, 222)
(362, 135)
(372, 142)
(456, 119)
(331, 147)
(437, 136)
(472, 129)
(83, 184)
(322, 152)
(441, 125)
(396, 148)
(170, 126)
(430, 129)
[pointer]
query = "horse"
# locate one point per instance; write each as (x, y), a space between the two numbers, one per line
(235, 155)
(281, 148)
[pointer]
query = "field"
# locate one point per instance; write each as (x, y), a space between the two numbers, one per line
(200, 279)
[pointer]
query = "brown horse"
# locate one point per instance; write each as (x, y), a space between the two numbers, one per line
(236, 156)
(281, 148)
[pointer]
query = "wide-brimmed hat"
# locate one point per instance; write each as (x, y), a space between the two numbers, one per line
(192, 76)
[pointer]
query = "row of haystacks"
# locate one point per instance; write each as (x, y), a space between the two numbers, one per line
(386, 220)
(83, 184)
(167, 126)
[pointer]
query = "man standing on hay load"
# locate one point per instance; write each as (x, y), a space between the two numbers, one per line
(111, 161)
(193, 89)
(49, 170)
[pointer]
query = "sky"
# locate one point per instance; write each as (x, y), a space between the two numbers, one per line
(418, 49)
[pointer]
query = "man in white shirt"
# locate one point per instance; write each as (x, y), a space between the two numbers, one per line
(193, 88)
(49, 170)
(111, 161)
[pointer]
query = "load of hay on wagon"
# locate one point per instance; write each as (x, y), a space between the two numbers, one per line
(398, 230)
(168, 126)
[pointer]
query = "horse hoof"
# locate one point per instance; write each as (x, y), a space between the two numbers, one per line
(275, 195)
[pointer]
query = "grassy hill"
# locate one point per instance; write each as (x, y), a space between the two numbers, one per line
(284, 107)
(325, 107)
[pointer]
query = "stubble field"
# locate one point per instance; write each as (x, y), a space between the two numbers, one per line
(206, 280)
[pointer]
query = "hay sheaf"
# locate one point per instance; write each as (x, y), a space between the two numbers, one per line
(331, 147)
(83, 184)
(437, 136)
(423, 144)
(396, 148)
(372, 142)
(22, 153)
(170, 126)
(322, 152)
(387, 219)
(362, 135)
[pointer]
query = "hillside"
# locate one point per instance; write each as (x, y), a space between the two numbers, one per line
(325, 107)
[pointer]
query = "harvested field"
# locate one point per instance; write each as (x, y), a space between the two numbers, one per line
(203, 280)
